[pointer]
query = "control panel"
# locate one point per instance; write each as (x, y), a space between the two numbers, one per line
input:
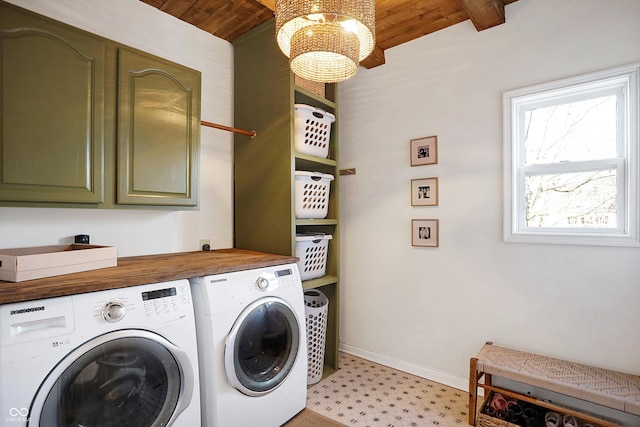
(235, 289)
(167, 302)
(288, 277)
(283, 278)
(159, 302)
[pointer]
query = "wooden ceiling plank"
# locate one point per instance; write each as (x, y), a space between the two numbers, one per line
(200, 10)
(408, 10)
(485, 13)
(400, 22)
(176, 7)
(244, 19)
(400, 34)
(416, 20)
(271, 4)
(155, 3)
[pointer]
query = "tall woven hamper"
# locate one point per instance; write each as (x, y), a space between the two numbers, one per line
(316, 309)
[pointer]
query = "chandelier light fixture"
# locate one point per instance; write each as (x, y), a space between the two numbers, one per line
(325, 40)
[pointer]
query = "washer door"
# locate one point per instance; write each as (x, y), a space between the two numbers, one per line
(122, 378)
(262, 346)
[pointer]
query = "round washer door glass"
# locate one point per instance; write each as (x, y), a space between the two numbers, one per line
(129, 381)
(262, 346)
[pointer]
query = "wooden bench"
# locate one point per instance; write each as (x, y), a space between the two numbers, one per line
(596, 385)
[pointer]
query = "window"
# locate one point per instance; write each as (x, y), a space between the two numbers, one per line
(571, 160)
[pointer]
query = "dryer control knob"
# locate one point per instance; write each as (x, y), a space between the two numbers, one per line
(113, 311)
(262, 283)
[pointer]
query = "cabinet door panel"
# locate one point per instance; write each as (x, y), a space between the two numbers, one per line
(51, 143)
(158, 131)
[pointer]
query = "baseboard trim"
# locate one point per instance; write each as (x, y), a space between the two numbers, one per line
(430, 374)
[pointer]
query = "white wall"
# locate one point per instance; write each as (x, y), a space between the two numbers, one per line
(428, 310)
(140, 232)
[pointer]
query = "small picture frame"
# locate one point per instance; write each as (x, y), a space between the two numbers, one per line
(424, 192)
(424, 151)
(425, 233)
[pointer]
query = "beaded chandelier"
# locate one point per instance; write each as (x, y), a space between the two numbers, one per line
(325, 40)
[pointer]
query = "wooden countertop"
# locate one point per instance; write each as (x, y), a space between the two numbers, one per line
(140, 270)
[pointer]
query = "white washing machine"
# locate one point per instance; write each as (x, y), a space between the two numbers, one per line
(252, 346)
(122, 357)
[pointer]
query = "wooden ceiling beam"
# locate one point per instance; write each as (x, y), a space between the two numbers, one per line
(375, 59)
(485, 13)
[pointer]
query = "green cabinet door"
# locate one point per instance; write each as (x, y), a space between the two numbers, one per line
(51, 111)
(158, 131)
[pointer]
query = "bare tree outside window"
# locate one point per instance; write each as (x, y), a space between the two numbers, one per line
(570, 133)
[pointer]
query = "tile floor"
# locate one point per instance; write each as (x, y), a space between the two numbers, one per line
(366, 394)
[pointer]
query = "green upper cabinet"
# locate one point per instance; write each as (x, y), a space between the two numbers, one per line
(87, 122)
(158, 131)
(52, 100)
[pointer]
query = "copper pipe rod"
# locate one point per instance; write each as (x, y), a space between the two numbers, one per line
(251, 133)
(350, 171)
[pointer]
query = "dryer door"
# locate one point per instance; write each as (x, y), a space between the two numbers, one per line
(122, 378)
(262, 346)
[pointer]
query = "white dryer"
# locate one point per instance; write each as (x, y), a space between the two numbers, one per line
(252, 346)
(122, 357)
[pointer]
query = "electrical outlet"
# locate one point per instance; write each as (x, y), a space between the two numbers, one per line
(205, 242)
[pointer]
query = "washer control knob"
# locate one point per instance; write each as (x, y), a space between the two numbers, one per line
(113, 311)
(262, 284)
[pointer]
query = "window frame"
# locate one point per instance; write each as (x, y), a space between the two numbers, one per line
(625, 83)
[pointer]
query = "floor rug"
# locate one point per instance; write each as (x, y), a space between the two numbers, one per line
(366, 394)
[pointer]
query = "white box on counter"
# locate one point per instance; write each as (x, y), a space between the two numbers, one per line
(20, 264)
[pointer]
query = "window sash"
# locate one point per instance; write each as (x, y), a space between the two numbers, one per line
(618, 90)
(572, 167)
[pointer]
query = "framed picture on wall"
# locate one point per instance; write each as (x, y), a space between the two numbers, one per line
(425, 233)
(424, 192)
(424, 151)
